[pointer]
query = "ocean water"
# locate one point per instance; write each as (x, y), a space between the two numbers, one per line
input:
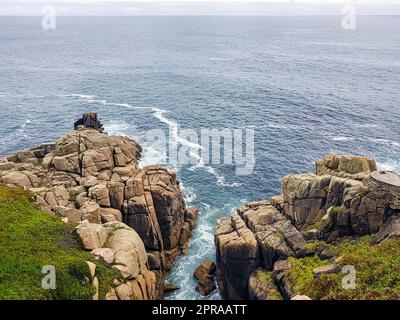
(306, 86)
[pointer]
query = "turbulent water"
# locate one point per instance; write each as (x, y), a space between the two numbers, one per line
(305, 85)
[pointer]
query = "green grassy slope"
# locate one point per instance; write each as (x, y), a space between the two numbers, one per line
(31, 239)
(377, 271)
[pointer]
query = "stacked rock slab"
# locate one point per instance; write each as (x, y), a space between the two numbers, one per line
(120, 247)
(337, 203)
(89, 175)
(346, 196)
(256, 236)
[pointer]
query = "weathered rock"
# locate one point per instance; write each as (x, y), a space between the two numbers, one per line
(74, 216)
(346, 198)
(95, 285)
(92, 235)
(205, 276)
(100, 194)
(301, 297)
(170, 287)
(237, 257)
(191, 217)
(277, 238)
(391, 229)
(339, 207)
(89, 120)
(154, 260)
(106, 254)
(91, 212)
(207, 268)
(111, 295)
(92, 268)
(156, 210)
(281, 275)
(258, 236)
(328, 269)
(205, 285)
(168, 203)
(109, 214)
(137, 293)
(127, 263)
(21, 179)
(307, 197)
(123, 238)
(124, 291)
(116, 194)
(6, 166)
(351, 167)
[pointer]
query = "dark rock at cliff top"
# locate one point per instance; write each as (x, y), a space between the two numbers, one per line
(89, 120)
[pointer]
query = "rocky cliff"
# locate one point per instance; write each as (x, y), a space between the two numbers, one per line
(134, 219)
(309, 229)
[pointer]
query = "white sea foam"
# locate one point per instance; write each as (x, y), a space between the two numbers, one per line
(342, 138)
(151, 155)
(389, 166)
(117, 127)
(173, 126)
(82, 96)
(188, 193)
(386, 142)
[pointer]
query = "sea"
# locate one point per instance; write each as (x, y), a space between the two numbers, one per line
(303, 85)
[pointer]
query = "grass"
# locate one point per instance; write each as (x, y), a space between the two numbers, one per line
(361, 194)
(327, 190)
(301, 272)
(313, 226)
(377, 272)
(336, 210)
(272, 292)
(31, 239)
(38, 162)
(72, 198)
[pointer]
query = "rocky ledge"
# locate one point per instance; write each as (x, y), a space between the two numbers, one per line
(135, 219)
(298, 242)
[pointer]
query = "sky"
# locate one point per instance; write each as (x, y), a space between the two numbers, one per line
(196, 7)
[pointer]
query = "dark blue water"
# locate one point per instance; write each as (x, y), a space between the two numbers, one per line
(307, 86)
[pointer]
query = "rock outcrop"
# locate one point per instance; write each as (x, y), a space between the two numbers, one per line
(88, 175)
(205, 277)
(89, 120)
(122, 248)
(256, 236)
(346, 196)
(338, 206)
